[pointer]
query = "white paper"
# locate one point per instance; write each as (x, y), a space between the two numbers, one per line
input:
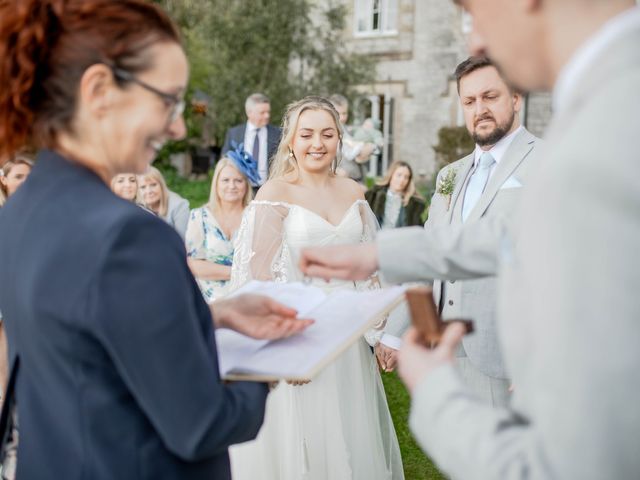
(342, 315)
(296, 295)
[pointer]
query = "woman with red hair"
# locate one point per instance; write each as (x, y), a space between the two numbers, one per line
(114, 370)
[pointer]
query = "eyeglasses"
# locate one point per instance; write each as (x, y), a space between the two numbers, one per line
(176, 103)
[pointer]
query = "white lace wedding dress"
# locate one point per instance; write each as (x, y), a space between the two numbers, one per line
(337, 427)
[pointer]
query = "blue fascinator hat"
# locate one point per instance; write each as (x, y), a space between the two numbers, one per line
(244, 162)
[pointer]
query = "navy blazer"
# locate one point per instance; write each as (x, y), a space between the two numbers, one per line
(236, 134)
(118, 369)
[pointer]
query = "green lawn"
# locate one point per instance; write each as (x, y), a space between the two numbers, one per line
(416, 465)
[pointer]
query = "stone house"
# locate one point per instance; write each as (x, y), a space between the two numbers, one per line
(416, 45)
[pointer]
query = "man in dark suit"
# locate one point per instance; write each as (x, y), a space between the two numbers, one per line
(259, 138)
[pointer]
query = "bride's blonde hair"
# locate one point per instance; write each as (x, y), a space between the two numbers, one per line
(284, 161)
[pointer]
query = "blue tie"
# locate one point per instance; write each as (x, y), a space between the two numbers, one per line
(477, 183)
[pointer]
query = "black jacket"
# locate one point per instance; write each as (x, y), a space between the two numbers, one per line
(410, 215)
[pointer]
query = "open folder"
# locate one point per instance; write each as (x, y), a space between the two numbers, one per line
(341, 318)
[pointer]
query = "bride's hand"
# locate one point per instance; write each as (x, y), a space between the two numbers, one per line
(297, 383)
(387, 357)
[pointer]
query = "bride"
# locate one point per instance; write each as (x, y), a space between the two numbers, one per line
(337, 426)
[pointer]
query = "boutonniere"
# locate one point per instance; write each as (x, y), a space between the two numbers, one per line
(447, 184)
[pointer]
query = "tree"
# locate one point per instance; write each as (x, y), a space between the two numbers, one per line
(283, 48)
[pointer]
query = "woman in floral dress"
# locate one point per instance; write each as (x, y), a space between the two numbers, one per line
(212, 227)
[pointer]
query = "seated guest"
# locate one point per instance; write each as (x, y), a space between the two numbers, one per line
(12, 175)
(394, 200)
(125, 185)
(212, 227)
(154, 194)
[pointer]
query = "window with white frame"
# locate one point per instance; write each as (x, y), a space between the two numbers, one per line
(376, 17)
(467, 23)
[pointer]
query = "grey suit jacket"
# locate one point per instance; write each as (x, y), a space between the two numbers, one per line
(449, 254)
(568, 311)
(476, 299)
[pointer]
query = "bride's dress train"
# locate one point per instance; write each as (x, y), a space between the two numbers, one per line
(338, 426)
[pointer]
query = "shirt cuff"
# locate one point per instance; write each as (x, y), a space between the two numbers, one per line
(391, 341)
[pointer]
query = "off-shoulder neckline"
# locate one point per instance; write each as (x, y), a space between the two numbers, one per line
(294, 205)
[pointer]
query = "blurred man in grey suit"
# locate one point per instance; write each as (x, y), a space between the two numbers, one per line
(568, 313)
(485, 184)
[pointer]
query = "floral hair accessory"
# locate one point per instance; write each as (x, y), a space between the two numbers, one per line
(244, 162)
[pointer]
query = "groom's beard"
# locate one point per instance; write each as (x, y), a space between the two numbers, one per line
(495, 135)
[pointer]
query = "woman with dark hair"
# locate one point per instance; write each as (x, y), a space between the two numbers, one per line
(394, 200)
(114, 370)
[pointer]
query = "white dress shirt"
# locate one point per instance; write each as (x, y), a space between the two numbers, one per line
(497, 151)
(263, 160)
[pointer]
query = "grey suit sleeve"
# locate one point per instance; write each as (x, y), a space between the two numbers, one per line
(397, 324)
(398, 321)
(469, 438)
(155, 327)
(445, 252)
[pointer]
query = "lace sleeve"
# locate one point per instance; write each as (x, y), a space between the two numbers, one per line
(260, 252)
(370, 228)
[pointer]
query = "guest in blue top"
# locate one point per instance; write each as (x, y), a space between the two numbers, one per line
(114, 370)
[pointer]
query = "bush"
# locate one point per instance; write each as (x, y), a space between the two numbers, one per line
(453, 144)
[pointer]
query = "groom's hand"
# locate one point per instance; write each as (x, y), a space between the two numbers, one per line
(416, 361)
(345, 262)
(257, 316)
